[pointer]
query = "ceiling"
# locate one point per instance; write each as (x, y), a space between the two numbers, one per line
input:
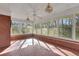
(21, 11)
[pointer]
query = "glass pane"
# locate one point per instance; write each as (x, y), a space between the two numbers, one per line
(20, 27)
(44, 29)
(17, 28)
(77, 27)
(38, 29)
(53, 30)
(65, 27)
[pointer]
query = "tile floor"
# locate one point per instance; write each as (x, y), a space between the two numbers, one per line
(34, 47)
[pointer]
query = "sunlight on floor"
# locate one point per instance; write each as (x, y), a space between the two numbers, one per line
(35, 44)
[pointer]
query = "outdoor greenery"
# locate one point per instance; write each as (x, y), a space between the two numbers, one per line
(77, 27)
(61, 27)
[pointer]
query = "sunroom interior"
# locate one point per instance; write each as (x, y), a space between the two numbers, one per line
(39, 29)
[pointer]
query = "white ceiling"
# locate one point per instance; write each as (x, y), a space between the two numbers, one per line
(24, 10)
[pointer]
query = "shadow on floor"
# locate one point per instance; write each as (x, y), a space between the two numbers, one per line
(31, 50)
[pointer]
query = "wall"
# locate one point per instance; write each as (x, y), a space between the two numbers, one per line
(5, 24)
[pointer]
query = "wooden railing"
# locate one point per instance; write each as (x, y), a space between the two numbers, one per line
(51, 40)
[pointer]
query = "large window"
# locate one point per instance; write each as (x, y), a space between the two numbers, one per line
(34, 29)
(77, 27)
(44, 29)
(38, 29)
(17, 28)
(53, 29)
(20, 27)
(65, 27)
(61, 27)
(29, 28)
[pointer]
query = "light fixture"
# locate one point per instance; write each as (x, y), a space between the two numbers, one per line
(49, 8)
(28, 19)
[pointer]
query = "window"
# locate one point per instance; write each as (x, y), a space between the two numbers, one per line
(34, 29)
(17, 28)
(38, 28)
(20, 27)
(29, 28)
(44, 29)
(65, 27)
(77, 27)
(53, 29)
(61, 27)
